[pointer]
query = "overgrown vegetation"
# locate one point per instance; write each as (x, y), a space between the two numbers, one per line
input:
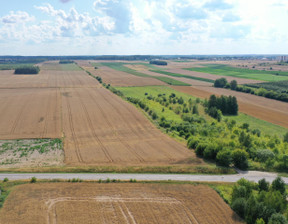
(13, 151)
(27, 70)
(260, 202)
(277, 91)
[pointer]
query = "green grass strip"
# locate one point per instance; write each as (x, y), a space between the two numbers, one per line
(182, 76)
(170, 81)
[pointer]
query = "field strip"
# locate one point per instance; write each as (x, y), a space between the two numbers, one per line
(74, 137)
(105, 151)
(112, 127)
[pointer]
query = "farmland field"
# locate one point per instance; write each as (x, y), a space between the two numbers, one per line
(101, 128)
(115, 203)
(119, 78)
(98, 127)
(225, 70)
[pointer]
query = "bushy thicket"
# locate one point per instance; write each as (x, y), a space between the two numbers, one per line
(260, 202)
(156, 62)
(27, 70)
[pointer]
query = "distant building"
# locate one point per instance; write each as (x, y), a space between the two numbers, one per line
(282, 58)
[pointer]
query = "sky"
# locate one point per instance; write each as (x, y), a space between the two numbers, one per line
(154, 27)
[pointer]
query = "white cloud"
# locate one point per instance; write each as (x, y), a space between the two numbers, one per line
(17, 17)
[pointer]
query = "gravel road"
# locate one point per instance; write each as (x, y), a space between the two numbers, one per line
(250, 175)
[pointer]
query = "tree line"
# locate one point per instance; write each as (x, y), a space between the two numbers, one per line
(27, 70)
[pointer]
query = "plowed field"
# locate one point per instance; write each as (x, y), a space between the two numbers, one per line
(115, 203)
(118, 78)
(265, 109)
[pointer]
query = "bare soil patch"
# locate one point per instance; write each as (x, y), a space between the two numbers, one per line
(115, 203)
(269, 110)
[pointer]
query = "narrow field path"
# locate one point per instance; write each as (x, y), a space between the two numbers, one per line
(249, 175)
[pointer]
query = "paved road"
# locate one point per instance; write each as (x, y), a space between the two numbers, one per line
(251, 175)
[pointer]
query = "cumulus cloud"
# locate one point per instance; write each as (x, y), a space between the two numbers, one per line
(73, 24)
(17, 17)
(118, 10)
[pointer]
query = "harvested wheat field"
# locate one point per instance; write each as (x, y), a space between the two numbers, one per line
(101, 128)
(115, 203)
(30, 113)
(98, 127)
(265, 109)
(118, 78)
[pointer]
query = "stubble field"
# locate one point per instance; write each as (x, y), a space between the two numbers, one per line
(115, 203)
(98, 127)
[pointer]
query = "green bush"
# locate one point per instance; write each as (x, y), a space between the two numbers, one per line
(33, 180)
(277, 218)
(240, 158)
(239, 206)
(223, 158)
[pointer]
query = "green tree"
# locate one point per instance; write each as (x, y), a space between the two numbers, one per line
(263, 185)
(195, 110)
(279, 185)
(277, 218)
(240, 158)
(212, 101)
(223, 158)
(220, 83)
(285, 137)
(233, 84)
(239, 206)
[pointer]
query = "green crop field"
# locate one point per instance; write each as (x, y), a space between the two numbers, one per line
(13, 66)
(61, 67)
(183, 76)
(225, 70)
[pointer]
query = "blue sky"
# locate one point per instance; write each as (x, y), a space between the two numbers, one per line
(122, 27)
